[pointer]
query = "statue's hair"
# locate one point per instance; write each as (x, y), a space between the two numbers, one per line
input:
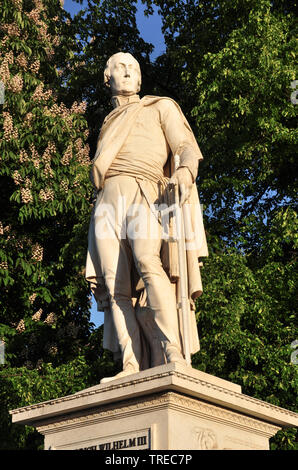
(107, 72)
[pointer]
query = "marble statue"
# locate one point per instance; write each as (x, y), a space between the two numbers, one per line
(132, 263)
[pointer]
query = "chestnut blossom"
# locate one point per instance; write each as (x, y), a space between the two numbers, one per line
(20, 326)
(37, 252)
(37, 315)
(51, 318)
(40, 95)
(9, 131)
(67, 156)
(23, 156)
(21, 59)
(32, 298)
(64, 186)
(26, 195)
(17, 178)
(16, 84)
(79, 108)
(46, 194)
(11, 29)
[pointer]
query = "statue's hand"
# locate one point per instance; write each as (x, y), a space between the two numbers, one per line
(183, 178)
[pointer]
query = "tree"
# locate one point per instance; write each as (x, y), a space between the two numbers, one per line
(235, 61)
(45, 205)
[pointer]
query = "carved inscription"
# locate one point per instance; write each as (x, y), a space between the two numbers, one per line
(140, 442)
(134, 440)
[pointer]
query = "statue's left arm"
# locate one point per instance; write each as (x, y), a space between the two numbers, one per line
(181, 141)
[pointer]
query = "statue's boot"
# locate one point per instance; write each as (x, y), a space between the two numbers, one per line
(131, 355)
(127, 371)
(172, 353)
(162, 350)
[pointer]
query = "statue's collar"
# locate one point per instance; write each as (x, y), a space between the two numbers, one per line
(120, 100)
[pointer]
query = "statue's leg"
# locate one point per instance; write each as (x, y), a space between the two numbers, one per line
(116, 266)
(118, 282)
(160, 295)
(115, 257)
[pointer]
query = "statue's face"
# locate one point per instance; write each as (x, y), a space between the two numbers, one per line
(124, 75)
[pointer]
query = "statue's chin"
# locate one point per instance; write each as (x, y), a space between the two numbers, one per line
(124, 92)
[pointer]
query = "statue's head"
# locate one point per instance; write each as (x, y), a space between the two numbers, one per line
(123, 74)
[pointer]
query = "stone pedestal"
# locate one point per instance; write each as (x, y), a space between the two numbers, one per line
(163, 408)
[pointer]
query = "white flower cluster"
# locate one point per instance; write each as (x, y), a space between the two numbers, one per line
(20, 326)
(37, 252)
(34, 156)
(79, 108)
(3, 265)
(28, 182)
(64, 186)
(18, 4)
(48, 171)
(51, 319)
(11, 29)
(64, 113)
(37, 315)
(49, 52)
(28, 118)
(17, 178)
(67, 156)
(40, 95)
(4, 71)
(82, 152)
(43, 34)
(39, 4)
(49, 152)
(46, 194)
(55, 40)
(26, 195)
(34, 67)
(9, 131)
(6, 229)
(34, 15)
(23, 156)
(16, 84)
(21, 59)
(32, 298)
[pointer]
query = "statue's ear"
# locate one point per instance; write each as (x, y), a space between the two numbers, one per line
(107, 79)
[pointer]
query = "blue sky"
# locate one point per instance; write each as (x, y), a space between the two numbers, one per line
(150, 30)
